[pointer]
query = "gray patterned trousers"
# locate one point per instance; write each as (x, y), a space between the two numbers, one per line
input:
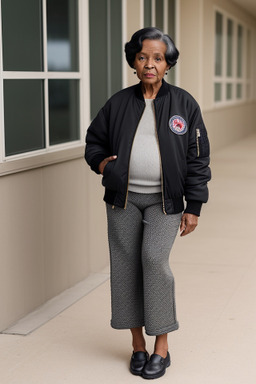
(142, 284)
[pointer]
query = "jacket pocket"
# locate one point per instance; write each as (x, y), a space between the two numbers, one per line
(110, 179)
(107, 168)
(202, 142)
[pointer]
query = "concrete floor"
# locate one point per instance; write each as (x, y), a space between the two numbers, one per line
(215, 271)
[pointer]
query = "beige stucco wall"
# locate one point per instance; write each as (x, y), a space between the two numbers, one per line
(97, 224)
(228, 125)
(52, 235)
(190, 45)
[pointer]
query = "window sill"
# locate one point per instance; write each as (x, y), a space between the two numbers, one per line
(219, 106)
(42, 160)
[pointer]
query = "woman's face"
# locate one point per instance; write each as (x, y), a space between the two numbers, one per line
(150, 63)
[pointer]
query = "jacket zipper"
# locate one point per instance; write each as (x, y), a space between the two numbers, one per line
(126, 197)
(161, 165)
(197, 141)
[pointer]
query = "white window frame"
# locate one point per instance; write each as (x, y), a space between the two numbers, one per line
(60, 152)
(234, 80)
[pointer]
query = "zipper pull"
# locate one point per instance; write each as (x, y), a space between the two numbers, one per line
(198, 134)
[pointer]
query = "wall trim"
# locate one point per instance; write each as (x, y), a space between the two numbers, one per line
(56, 305)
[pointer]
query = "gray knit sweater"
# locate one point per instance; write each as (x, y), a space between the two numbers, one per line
(145, 176)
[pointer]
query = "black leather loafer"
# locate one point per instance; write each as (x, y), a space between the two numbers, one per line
(156, 366)
(138, 361)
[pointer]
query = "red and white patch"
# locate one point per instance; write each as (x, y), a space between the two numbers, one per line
(178, 125)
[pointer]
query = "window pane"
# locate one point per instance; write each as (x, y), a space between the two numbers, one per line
(116, 48)
(147, 13)
(23, 116)
(171, 18)
(22, 35)
(239, 91)
(248, 91)
(217, 91)
(218, 44)
(105, 51)
(62, 35)
(63, 111)
(229, 48)
(249, 54)
(171, 31)
(229, 91)
(98, 54)
(159, 10)
(239, 50)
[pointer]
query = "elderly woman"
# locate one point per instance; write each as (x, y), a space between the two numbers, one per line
(150, 144)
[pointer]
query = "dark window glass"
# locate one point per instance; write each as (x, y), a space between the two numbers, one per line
(171, 18)
(62, 35)
(218, 44)
(239, 91)
(116, 51)
(229, 87)
(23, 116)
(248, 90)
(159, 14)
(22, 35)
(217, 91)
(105, 51)
(230, 48)
(98, 55)
(147, 13)
(63, 111)
(171, 31)
(239, 50)
(249, 54)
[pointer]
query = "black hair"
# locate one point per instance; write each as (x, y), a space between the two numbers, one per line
(135, 45)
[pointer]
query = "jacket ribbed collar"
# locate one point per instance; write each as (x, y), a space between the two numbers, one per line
(162, 91)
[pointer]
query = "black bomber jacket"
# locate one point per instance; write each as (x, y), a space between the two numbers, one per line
(183, 144)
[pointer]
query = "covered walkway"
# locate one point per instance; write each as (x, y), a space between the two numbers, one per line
(215, 271)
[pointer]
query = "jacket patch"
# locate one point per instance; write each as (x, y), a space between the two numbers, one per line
(178, 125)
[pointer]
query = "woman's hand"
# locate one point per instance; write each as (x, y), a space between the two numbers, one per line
(104, 162)
(188, 223)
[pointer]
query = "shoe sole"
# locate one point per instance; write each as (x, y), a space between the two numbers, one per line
(136, 373)
(157, 375)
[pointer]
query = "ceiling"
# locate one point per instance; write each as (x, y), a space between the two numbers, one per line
(249, 5)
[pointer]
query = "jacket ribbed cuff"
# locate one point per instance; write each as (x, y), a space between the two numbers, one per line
(193, 207)
(95, 162)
